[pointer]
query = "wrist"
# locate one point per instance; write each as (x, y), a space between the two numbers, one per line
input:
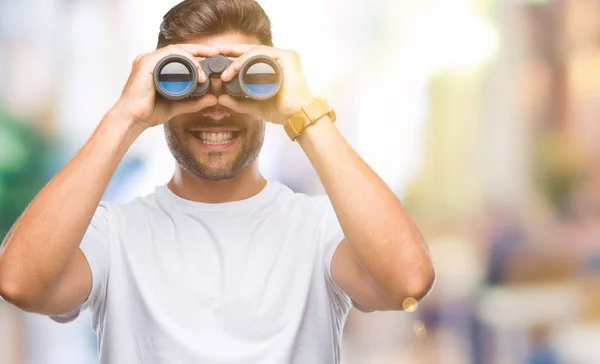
(302, 102)
(122, 125)
(307, 116)
(320, 129)
(126, 111)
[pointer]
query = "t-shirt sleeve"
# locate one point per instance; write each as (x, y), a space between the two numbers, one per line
(96, 249)
(330, 237)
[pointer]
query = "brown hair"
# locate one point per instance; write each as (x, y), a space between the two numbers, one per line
(195, 18)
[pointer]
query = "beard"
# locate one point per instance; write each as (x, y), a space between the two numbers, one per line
(216, 165)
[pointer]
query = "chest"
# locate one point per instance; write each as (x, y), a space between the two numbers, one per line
(220, 274)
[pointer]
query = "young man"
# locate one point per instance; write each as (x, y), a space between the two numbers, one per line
(219, 265)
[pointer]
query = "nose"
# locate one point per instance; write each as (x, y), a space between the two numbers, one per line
(216, 112)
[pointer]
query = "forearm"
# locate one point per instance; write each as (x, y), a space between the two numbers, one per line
(380, 232)
(49, 231)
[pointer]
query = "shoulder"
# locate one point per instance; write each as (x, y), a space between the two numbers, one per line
(123, 212)
(315, 206)
(286, 196)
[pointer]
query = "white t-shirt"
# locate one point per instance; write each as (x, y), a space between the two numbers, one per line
(177, 281)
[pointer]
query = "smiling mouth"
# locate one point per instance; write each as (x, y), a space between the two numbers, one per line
(220, 138)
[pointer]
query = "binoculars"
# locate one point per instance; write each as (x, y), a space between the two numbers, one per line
(176, 77)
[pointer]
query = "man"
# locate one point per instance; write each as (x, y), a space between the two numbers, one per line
(219, 265)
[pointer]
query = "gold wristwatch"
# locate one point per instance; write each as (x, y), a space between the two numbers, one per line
(308, 115)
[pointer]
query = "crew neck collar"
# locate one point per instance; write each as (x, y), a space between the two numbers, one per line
(265, 195)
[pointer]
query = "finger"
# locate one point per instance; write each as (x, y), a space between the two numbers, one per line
(147, 62)
(242, 106)
(194, 52)
(236, 50)
(202, 77)
(234, 68)
(199, 50)
(192, 105)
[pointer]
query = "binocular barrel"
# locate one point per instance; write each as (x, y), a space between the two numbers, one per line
(176, 77)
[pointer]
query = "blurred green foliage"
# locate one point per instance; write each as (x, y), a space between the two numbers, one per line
(26, 156)
(557, 169)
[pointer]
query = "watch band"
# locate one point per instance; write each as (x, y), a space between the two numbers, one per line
(308, 115)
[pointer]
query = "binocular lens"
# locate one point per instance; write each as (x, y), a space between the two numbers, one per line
(176, 78)
(261, 79)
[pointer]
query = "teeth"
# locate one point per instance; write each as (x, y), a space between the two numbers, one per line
(216, 138)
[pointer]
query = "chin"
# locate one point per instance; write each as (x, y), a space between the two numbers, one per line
(213, 173)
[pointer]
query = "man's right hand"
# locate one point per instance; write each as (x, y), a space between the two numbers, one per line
(42, 268)
(139, 101)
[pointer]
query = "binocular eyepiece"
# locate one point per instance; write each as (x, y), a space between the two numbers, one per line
(176, 77)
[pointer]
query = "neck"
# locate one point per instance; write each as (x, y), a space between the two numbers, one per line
(191, 187)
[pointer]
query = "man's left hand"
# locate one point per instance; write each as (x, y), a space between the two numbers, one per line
(289, 100)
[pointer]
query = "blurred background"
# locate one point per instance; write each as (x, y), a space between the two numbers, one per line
(483, 116)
